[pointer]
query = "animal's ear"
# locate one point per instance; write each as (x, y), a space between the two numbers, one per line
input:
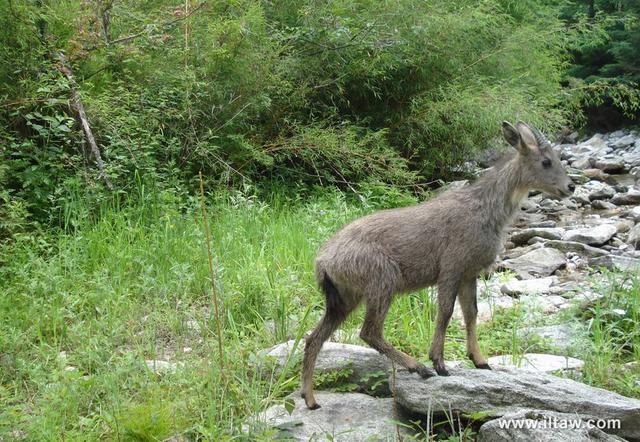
(511, 134)
(529, 143)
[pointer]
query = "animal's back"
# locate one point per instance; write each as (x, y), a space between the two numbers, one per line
(410, 243)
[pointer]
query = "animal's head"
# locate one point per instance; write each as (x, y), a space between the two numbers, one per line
(542, 169)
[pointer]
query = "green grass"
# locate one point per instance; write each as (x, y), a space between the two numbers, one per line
(81, 310)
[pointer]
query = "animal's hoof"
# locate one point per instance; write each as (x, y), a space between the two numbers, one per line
(484, 366)
(441, 370)
(313, 406)
(423, 371)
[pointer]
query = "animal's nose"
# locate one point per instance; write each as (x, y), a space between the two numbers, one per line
(572, 187)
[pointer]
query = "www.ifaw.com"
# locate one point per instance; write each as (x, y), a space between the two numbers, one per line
(544, 422)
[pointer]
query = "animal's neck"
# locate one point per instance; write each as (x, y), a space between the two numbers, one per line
(500, 194)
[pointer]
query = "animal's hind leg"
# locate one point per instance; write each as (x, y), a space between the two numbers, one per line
(469, 305)
(321, 333)
(447, 291)
(330, 321)
(372, 334)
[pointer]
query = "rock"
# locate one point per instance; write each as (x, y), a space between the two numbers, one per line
(582, 163)
(617, 134)
(624, 225)
(367, 367)
(538, 362)
(561, 336)
(634, 237)
(631, 198)
(548, 304)
(528, 286)
(341, 417)
(631, 159)
(506, 390)
(486, 308)
(522, 236)
(602, 205)
(634, 214)
(159, 366)
(595, 174)
(519, 251)
(545, 223)
(577, 247)
(541, 426)
(614, 262)
(625, 141)
(603, 192)
(579, 177)
(542, 262)
(595, 144)
(597, 235)
(610, 165)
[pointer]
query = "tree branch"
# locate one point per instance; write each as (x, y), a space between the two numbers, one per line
(79, 108)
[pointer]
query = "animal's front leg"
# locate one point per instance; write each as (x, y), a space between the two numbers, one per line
(469, 305)
(447, 291)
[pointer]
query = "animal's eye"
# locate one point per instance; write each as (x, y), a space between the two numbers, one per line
(546, 163)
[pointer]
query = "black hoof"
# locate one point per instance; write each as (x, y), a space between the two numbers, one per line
(483, 366)
(441, 370)
(423, 371)
(313, 407)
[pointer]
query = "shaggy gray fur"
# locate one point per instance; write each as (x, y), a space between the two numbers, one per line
(445, 241)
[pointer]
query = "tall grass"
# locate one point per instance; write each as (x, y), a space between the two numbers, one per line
(125, 282)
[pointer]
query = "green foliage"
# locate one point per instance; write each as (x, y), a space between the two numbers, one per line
(606, 68)
(297, 93)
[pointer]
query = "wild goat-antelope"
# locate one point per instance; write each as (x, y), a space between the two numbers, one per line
(446, 241)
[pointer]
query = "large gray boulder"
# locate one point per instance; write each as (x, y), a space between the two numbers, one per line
(528, 286)
(362, 365)
(341, 417)
(616, 263)
(542, 426)
(610, 165)
(593, 236)
(540, 262)
(503, 390)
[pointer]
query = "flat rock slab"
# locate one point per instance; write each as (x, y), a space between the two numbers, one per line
(541, 426)
(503, 390)
(341, 417)
(528, 286)
(616, 263)
(538, 362)
(366, 366)
(541, 262)
(593, 236)
(520, 237)
(577, 247)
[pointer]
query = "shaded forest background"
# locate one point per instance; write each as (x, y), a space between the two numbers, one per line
(290, 93)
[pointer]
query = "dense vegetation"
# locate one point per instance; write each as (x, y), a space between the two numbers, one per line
(607, 62)
(295, 93)
(289, 108)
